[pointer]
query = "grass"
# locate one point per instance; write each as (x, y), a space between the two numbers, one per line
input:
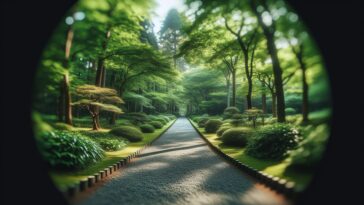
(62, 179)
(275, 168)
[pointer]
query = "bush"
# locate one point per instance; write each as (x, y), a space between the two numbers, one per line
(230, 111)
(68, 150)
(130, 133)
(222, 129)
(161, 120)
(273, 141)
(165, 118)
(107, 141)
(236, 136)
(202, 121)
(39, 126)
(136, 117)
(62, 126)
(211, 126)
(156, 124)
(147, 128)
(290, 111)
(310, 150)
(171, 116)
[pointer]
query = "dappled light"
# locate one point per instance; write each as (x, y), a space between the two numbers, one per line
(181, 102)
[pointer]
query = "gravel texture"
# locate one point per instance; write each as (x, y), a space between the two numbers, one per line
(181, 169)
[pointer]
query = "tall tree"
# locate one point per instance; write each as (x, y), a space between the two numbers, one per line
(260, 9)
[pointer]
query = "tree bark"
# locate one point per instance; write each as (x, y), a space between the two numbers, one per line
(272, 50)
(305, 100)
(67, 95)
(264, 103)
(228, 93)
(274, 104)
(233, 101)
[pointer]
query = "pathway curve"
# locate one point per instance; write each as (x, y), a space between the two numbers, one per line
(180, 168)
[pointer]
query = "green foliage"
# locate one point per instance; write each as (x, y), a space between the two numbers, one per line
(202, 121)
(229, 112)
(236, 136)
(212, 125)
(136, 117)
(165, 118)
(310, 150)
(68, 150)
(273, 141)
(161, 120)
(39, 126)
(156, 124)
(222, 129)
(290, 111)
(147, 128)
(130, 133)
(62, 126)
(107, 141)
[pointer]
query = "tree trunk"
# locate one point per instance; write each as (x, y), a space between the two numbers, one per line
(305, 103)
(228, 93)
(67, 95)
(277, 71)
(233, 102)
(249, 95)
(61, 102)
(264, 103)
(274, 104)
(95, 124)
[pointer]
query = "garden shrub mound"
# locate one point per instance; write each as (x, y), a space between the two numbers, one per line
(62, 126)
(202, 121)
(211, 126)
(68, 150)
(310, 151)
(156, 124)
(130, 133)
(230, 111)
(236, 136)
(290, 111)
(136, 118)
(147, 128)
(222, 129)
(165, 118)
(273, 141)
(107, 141)
(161, 120)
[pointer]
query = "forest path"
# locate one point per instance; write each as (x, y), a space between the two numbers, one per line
(180, 168)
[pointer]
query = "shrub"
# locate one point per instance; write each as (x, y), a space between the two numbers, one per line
(136, 117)
(68, 150)
(130, 133)
(230, 111)
(202, 121)
(161, 120)
(290, 111)
(222, 129)
(147, 128)
(156, 124)
(107, 141)
(310, 150)
(165, 118)
(212, 125)
(62, 126)
(273, 141)
(171, 116)
(236, 136)
(39, 126)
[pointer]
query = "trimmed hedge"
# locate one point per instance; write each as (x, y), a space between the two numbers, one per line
(62, 126)
(310, 150)
(236, 136)
(221, 130)
(107, 141)
(230, 111)
(68, 150)
(147, 128)
(202, 121)
(156, 124)
(211, 126)
(273, 141)
(130, 133)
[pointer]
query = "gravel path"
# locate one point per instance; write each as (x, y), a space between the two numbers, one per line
(181, 169)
